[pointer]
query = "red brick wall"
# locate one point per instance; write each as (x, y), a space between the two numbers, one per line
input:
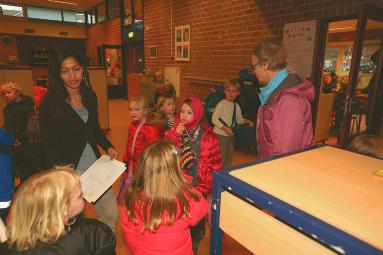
(223, 32)
(104, 33)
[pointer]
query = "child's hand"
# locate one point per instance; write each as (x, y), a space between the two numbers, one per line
(180, 128)
(250, 123)
(113, 154)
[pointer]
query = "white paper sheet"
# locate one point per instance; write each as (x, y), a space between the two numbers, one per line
(99, 177)
(3, 233)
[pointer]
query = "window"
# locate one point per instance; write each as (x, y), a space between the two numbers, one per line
(90, 16)
(128, 12)
(74, 17)
(44, 13)
(113, 9)
(138, 11)
(101, 12)
(11, 10)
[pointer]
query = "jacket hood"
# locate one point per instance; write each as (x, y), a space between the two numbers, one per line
(294, 84)
(302, 87)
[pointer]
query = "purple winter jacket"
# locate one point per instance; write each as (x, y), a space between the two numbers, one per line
(284, 122)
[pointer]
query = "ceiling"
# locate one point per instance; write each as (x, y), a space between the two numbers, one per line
(74, 5)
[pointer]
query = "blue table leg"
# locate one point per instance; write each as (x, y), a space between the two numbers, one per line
(216, 232)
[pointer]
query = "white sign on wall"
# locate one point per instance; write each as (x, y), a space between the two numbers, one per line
(299, 41)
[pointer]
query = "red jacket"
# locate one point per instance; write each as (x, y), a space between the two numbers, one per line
(146, 136)
(209, 159)
(168, 239)
(284, 122)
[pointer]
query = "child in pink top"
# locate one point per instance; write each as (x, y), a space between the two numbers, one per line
(161, 204)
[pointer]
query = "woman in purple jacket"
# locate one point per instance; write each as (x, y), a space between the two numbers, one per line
(284, 122)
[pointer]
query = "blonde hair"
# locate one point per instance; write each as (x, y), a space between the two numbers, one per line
(160, 102)
(159, 186)
(10, 85)
(40, 208)
(232, 83)
(370, 145)
(272, 53)
(141, 101)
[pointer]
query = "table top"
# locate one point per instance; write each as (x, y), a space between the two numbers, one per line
(336, 186)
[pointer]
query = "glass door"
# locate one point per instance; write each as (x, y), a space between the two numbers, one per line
(351, 78)
(334, 79)
(112, 61)
(363, 103)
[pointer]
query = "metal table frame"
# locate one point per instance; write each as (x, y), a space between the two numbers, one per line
(314, 228)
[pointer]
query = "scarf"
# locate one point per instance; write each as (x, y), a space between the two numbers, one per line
(272, 85)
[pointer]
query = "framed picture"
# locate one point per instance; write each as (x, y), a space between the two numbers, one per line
(152, 52)
(182, 43)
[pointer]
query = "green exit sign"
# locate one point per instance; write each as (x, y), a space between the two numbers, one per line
(130, 34)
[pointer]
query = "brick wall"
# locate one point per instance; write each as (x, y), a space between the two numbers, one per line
(104, 33)
(223, 32)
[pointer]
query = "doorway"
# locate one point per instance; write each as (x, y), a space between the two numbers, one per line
(351, 77)
(111, 59)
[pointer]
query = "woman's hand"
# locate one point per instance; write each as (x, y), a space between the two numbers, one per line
(113, 154)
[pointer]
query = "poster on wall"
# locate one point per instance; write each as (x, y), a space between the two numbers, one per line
(299, 41)
(182, 43)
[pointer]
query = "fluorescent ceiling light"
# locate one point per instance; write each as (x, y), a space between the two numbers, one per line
(62, 2)
(340, 28)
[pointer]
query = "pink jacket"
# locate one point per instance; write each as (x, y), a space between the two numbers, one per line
(210, 159)
(284, 122)
(168, 239)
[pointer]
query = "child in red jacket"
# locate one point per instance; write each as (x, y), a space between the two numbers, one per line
(140, 135)
(200, 154)
(161, 204)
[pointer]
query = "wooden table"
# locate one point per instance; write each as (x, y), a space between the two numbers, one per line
(320, 201)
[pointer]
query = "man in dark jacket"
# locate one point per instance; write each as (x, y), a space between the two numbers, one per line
(284, 121)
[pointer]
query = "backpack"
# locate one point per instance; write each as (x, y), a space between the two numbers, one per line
(210, 103)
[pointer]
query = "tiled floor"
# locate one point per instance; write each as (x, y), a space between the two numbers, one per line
(119, 122)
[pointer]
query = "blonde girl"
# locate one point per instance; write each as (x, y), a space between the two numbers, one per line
(161, 204)
(140, 135)
(166, 110)
(44, 214)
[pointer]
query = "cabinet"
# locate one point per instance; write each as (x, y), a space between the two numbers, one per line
(40, 57)
(321, 200)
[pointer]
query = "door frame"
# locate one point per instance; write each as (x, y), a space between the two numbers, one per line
(320, 56)
(368, 12)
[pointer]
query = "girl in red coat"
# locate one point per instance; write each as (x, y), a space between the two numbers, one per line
(200, 154)
(140, 135)
(161, 204)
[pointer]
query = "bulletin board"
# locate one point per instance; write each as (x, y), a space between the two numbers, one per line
(299, 41)
(182, 43)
